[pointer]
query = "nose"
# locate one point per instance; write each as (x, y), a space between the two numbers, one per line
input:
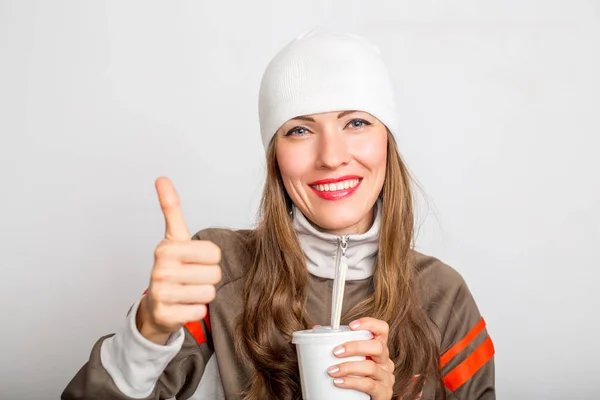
(333, 151)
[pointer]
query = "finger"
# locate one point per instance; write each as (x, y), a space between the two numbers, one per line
(366, 368)
(375, 389)
(316, 326)
(184, 294)
(376, 349)
(390, 365)
(175, 226)
(179, 314)
(379, 328)
(202, 252)
(189, 274)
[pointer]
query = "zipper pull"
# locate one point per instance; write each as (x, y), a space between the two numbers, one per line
(344, 244)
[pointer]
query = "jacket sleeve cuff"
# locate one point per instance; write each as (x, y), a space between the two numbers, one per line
(135, 363)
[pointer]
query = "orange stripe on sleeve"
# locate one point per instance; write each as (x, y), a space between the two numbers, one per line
(466, 369)
(462, 344)
(197, 331)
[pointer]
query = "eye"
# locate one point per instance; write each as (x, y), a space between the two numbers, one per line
(358, 123)
(297, 131)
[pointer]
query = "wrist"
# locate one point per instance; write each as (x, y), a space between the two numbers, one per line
(146, 328)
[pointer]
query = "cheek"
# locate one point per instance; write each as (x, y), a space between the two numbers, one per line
(372, 153)
(293, 162)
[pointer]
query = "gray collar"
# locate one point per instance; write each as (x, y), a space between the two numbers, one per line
(320, 248)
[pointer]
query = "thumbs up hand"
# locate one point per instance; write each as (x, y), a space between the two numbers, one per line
(184, 275)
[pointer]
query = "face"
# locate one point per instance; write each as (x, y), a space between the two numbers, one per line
(333, 167)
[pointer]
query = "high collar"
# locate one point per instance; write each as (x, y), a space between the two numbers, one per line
(320, 247)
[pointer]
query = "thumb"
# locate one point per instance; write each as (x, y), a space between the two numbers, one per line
(175, 226)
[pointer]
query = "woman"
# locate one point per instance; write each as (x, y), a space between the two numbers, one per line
(334, 178)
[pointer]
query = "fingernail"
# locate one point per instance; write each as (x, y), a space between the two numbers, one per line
(333, 369)
(338, 350)
(354, 324)
(338, 380)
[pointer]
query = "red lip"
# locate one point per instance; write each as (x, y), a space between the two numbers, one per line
(336, 194)
(335, 180)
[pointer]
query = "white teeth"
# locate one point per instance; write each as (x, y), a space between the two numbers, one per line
(330, 187)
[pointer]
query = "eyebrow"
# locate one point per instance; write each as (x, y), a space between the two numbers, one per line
(340, 115)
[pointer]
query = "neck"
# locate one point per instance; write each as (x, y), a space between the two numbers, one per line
(320, 247)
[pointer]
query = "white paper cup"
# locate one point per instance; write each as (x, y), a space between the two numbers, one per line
(315, 354)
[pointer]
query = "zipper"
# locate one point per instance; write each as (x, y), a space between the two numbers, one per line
(339, 281)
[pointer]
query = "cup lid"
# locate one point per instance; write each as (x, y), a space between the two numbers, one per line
(325, 333)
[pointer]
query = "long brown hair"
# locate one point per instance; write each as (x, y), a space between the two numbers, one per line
(275, 291)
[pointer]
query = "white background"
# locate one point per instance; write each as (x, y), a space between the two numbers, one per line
(500, 124)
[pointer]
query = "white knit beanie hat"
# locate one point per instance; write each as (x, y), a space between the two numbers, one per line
(323, 71)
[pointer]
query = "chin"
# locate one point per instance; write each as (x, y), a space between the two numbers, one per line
(336, 220)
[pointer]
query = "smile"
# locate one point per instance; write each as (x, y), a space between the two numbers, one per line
(331, 187)
(336, 189)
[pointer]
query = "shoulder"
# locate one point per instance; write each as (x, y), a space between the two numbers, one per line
(446, 298)
(237, 250)
(435, 279)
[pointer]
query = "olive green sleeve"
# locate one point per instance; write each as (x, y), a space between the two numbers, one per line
(467, 351)
(127, 366)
